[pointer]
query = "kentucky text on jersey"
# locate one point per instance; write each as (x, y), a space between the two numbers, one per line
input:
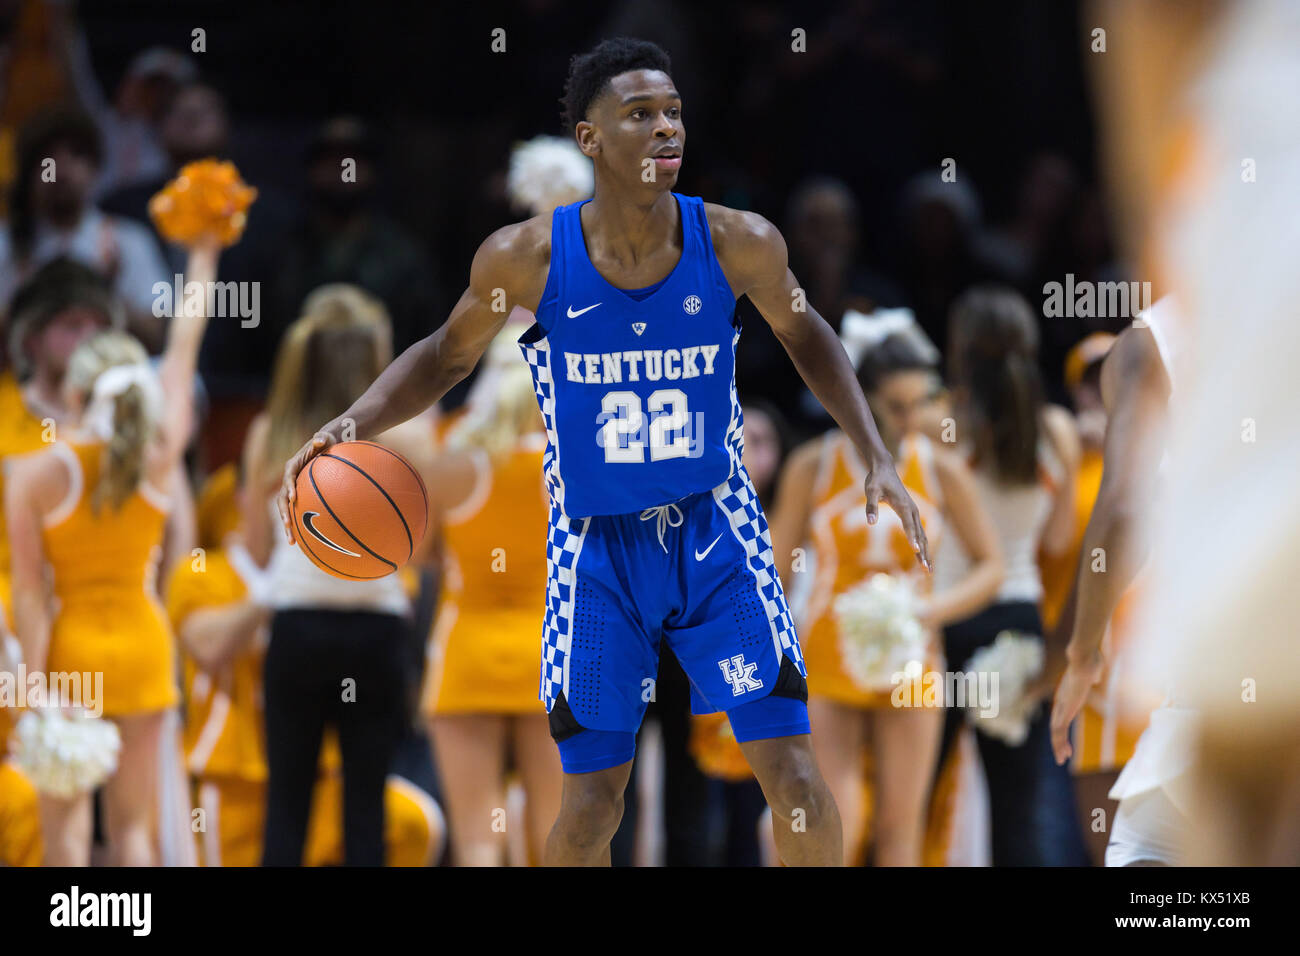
(608, 367)
(636, 386)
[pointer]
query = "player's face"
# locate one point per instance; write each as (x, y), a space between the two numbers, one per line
(635, 130)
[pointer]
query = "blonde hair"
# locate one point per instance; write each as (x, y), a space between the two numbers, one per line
(327, 359)
(507, 406)
(122, 460)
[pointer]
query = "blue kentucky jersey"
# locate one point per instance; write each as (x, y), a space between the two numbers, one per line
(637, 387)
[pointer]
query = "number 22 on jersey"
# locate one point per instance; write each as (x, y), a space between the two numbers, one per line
(623, 426)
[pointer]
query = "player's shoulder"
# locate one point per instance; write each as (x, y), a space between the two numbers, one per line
(516, 258)
(750, 250)
(741, 231)
(1134, 358)
(520, 242)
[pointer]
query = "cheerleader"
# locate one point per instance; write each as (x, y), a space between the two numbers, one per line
(325, 630)
(481, 688)
(1024, 455)
(822, 502)
(89, 513)
(55, 311)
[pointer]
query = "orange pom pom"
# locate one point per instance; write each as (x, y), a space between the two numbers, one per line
(206, 198)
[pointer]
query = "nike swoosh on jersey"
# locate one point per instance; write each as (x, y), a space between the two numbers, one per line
(574, 315)
(312, 530)
(701, 557)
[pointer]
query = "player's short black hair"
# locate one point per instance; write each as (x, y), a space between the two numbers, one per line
(590, 72)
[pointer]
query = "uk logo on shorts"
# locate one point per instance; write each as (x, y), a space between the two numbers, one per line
(740, 675)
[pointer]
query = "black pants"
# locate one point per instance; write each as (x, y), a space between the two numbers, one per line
(1031, 799)
(339, 668)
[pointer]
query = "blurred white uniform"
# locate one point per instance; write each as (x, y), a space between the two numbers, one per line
(1223, 606)
(1153, 787)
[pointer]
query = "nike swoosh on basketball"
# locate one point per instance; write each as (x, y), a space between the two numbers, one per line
(312, 530)
(701, 557)
(574, 315)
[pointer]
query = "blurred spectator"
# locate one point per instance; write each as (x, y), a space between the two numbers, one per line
(1015, 252)
(32, 74)
(236, 358)
(936, 258)
(133, 150)
(822, 230)
(194, 126)
(51, 215)
(343, 238)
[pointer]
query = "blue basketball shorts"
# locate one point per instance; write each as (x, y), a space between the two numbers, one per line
(697, 574)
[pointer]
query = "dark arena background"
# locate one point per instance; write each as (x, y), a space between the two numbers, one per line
(1000, 577)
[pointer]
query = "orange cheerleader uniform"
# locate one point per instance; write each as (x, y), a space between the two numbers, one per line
(20, 824)
(849, 551)
(109, 619)
(484, 649)
(1115, 712)
(21, 432)
(1058, 572)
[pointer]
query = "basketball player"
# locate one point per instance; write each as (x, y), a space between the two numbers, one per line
(655, 529)
(1136, 384)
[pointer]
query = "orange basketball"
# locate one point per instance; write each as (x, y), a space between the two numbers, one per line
(360, 511)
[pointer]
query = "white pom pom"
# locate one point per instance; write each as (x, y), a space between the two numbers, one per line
(1016, 659)
(547, 172)
(65, 754)
(880, 632)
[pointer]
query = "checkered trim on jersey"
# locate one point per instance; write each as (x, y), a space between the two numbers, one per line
(739, 501)
(735, 437)
(538, 355)
(564, 539)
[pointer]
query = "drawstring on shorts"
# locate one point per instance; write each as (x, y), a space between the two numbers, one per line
(664, 514)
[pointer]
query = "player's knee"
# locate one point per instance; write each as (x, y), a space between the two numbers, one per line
(799, 787)
(592, 810)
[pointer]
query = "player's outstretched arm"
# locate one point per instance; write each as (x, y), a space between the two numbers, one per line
(1135, 390)
(753, 255)
(509, 269)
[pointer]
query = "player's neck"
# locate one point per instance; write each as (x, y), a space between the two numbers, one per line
(628, 228)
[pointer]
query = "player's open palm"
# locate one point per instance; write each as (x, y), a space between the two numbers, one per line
(884, 484)
(289, 488)
(1071, 692)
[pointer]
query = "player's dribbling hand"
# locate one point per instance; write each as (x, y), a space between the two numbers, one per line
(883, 483)
(1071, 693)
(289, 488)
